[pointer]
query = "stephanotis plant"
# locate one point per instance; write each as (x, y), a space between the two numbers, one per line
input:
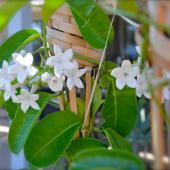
(27, 88)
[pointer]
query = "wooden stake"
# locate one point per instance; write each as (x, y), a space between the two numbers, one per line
(88, 93)
(73, 105)
(73, 100)
(157, 125)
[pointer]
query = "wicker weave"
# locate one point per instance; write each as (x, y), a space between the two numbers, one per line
(62, 30)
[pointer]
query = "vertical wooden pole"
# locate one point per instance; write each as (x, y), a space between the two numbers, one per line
(88, 94)
(73, 104)
(157, 125)
(73, 100)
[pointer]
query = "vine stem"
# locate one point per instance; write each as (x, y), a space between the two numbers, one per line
(84, 127)
(45, 40)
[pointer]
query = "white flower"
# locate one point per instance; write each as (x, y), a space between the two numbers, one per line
(55, 83)
(61, 61)
(10, 93)
(73, 76)
(5, 76)
(27, 100)
(23, 66)
(125, 75)
(142, 87)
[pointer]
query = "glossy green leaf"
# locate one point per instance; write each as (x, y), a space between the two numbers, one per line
(129, 6)
(97, 101)
(92, 21)
(11, 108)
(23, 123)
(120, 109)
(82, 144)
(80, 108)
(104, 159)
(17, 42)
(8, 9)
(50, 138)
(105, 76)
(50, 7)
(116, 141)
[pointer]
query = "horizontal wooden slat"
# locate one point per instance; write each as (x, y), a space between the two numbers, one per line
(60, 17)
(60, 43)
(66, 37)
(65, 27)
(87, 52)
(64, 9)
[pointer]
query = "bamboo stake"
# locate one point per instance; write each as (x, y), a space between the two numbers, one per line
(88, 93)
(73, 100)
(157, 126)
(73, 104)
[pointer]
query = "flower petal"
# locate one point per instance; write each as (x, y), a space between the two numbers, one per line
(32, 71)
(35, 106)
(70, 83)
(25, 106)
(126, 64)
(6, 96)
(80, 72)
(45, 77)
(120, 83)
(28, 60)
(68, 55)
(21, 77)
(78, 83)
(58, 70)
(134, 71)
(131, 82)
(117, 72)
(57, 50)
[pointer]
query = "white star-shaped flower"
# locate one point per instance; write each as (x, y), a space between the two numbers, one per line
(55, 83)
(73, 76)
(23, 66)
(10, 93)
(27, 100)
(125, 75)
(142, 87)
(6, 77)
(60, 61)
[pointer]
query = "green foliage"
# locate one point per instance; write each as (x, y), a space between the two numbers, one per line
(11, 108)
(103, 159)
(82, 144)
(129, 6)
(50, 7)
(50, 138)
(17, 42)
(8, 9)
(120, 109)
(116, 141)
(92, 21)
(23, 123)
(105, 77)
(81, 108)
(97, 101)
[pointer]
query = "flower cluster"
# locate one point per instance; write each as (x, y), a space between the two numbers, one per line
(12, 79)
(64, 67)
(130, 75)
(16, 75)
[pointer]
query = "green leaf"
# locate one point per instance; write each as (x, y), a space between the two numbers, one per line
(104, 159)
(92, 21)
(11, 108)
(116, 141)
(50, 7)
(106, 77)
(23, 123)
(81, 108)
(83, 144)
(97, 100)
(8, 9)
(50, 137)
(120, 109)
(17, 42)
(129, 6)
